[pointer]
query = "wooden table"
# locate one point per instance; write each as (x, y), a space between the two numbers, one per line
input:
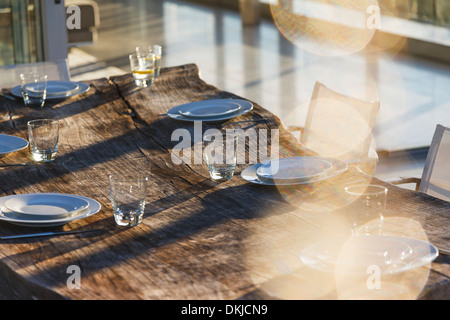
(199, 239)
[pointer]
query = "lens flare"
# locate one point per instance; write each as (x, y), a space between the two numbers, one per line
(326, 27)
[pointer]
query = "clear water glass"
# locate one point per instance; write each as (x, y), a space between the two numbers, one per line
(366, 210)
(128, 198)
(34, 89)
(43, 136)
(143, 68)
(220, 154)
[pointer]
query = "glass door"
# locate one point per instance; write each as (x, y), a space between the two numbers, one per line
(32, 31)
(20, 32)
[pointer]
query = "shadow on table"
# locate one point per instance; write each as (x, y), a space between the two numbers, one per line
(189, 218)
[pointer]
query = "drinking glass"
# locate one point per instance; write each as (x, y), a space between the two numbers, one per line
(34, 89)
(367, 205)
(128, 196)
(143, 68)
(156, 50)
(220, 154)
(43, 135)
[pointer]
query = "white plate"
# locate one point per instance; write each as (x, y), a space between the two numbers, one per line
(56, 86)
(49, 206)
(61, 88)
(209, 109)
(249, 174)
(391, 254)
(295, 169)
(17, 219)
(11, 144)
(245, 106)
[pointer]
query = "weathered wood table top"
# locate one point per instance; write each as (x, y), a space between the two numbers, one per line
(198, 239)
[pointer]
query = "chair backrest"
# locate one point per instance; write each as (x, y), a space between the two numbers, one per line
(436, 173)
(55, 70)
(339, 126)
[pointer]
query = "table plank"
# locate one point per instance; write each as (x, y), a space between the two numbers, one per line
(199, 239)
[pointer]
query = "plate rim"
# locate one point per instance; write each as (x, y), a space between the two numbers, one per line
(93, 208)
(62, 195)
(258, 181)
(83, 87)
(246, 106)
(235, 110)
(306, 178)
(77, 86)
(19, 139)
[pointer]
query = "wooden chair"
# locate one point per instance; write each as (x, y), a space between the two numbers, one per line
(55, 70)
(435, 179)
(339, 126)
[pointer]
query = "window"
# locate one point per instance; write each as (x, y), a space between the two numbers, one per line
(20, 31)
(429, 11)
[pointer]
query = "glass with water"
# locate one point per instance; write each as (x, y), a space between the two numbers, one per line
(128, 198)
(220, 154)
(43, 136)
(143, 68)
(34, 89)
(367, 205)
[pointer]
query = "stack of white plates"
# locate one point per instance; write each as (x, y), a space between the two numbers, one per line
(293, 171)
(58, 89)
(46, 209)
(211, 110)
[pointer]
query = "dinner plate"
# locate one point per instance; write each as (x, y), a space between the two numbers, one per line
(250, 174)
(61, 88)
(209, 109)
(58, 89)
(11, 144)
(295, 169)
(49, 206)
(245, 106)
(18, 219)
(390, 254)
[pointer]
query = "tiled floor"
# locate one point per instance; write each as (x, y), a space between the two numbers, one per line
(258, 63)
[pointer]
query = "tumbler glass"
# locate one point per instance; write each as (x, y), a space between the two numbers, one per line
(128, 198)
(43, 135)
(34, 89)
(367, 205)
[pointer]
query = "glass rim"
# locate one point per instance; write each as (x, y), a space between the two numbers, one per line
(148, 46)
(225, 137)
(136, 55)
(125, 177)
(364, 189)
(49, 121)
(41, 75)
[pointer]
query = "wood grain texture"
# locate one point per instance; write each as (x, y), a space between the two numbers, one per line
(199, 239)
